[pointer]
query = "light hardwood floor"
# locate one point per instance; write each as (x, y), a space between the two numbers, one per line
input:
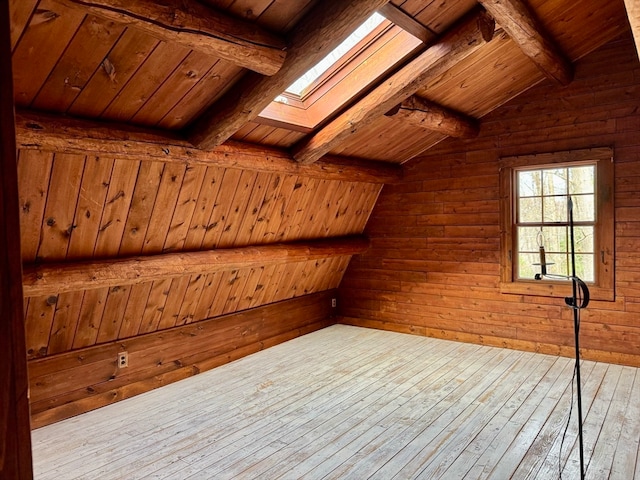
(348, 402)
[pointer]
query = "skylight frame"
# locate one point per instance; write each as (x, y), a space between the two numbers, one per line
(373, 57)
(364, 31)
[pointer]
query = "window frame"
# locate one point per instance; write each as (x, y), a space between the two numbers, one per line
(604, 286)
(382, 50)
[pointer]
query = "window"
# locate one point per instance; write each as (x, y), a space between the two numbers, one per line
(300, 86)
(536, 191)
(373, 50)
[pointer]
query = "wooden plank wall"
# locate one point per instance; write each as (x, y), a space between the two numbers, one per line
(80, 207)
(75, 207)
(433, 268)
(74, 382)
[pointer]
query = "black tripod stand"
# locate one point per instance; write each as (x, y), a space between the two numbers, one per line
(578, 301)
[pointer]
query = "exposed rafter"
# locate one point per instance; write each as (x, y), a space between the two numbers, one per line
(633, 13)
(196, 26)
(407, 22)
(431, 116)
(70, 277)
(68, 135)
(460, 42)
(517, 19)
(321, 30)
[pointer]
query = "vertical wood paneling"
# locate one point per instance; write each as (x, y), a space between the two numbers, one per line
(290, 184)
(90, 205)
(65, 322)
(165, 203)
(93, 304)
(204, 207)
(255, 203)
(222, 208)
(154, 306)
(34, 171)
(238, 207)
(191, 298)
(142, 201)
(59, 213)
(175, 297)
(186, 205)
(207, 296)
(134, 310)
(268, 208)
(114, 310)
(38, 320)
(116, 208)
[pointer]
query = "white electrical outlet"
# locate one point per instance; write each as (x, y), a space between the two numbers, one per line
(334, 303)
(123, 359)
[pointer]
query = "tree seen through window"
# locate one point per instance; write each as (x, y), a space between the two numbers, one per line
(542, 216)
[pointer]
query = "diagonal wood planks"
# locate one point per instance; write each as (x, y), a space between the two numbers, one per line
(452, 48)
(318, 32)
(198, 27)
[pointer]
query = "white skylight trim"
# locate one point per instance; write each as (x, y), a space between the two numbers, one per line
(297, 87)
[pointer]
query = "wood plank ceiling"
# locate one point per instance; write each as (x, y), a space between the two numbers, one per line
(136, 140)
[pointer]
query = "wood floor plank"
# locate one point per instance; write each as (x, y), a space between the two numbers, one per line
(313, 422)
(539, 383)
(625, 456)
(350, 402)
(130, 422)
(227, 416)
(604, 450)
(383, 408)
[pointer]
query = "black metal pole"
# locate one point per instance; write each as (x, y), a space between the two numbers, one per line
(576, 329)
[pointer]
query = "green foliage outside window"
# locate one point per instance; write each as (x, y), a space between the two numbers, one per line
(542, 215)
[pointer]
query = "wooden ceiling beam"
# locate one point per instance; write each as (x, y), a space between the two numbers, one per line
(322, 29)
(405, 21)
(198, 27)
(431, 116)
(633, 13)
(36, 131)
(456, 45)
(54, 279)
(521, 24)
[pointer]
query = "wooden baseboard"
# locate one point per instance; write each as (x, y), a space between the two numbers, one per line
(528, 346)
(75, 382)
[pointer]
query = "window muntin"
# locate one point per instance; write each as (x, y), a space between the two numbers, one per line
(513, 282)
(542, 218)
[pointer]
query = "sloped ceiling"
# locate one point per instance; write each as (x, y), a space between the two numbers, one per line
(137, 141)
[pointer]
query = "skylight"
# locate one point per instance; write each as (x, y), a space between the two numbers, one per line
(325, 64)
